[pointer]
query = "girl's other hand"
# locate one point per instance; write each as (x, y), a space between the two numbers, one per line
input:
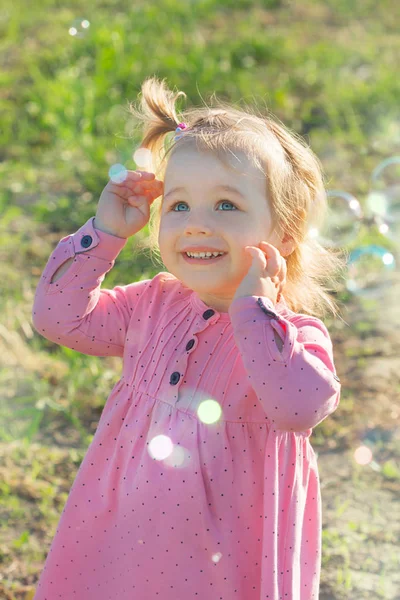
(266, 275)
(124, 208)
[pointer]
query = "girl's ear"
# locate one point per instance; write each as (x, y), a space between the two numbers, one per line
(287, 245)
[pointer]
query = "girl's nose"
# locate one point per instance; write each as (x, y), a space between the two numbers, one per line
(197, 225)
(194, 229)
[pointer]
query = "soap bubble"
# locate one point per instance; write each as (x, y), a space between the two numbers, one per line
(370, 269)
(343, 220)
(383, 198)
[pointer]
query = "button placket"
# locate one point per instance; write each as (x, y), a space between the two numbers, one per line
(176, 375)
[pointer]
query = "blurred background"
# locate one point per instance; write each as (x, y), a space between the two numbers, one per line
(328, 70)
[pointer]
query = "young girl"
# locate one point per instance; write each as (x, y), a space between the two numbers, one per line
(200, 481)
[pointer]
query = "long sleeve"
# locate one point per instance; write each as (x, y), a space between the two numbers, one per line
(297, 386)
(73, 311)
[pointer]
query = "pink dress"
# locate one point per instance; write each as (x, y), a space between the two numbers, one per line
(173, 500)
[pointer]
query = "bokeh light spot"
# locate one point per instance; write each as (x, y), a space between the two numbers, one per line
(160, 447)
(143, 159)
(209, 411)
(118, 173)
(178, 458)
(79, 28)
(363, 455)
(216, 557)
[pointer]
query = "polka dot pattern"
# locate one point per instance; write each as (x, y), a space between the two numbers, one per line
(234, 511)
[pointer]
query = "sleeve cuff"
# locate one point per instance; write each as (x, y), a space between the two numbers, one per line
(249, 308)
(95, 242)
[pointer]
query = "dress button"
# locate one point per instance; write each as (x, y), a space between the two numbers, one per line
(190, 344)
(86, 241)
(175, 377)
(209, 313)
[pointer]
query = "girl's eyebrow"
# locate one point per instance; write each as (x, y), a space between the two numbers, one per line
(226, 188)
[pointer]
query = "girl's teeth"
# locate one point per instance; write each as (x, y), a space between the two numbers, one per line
(205, 255)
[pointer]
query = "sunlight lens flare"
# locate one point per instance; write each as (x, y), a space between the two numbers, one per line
(363, 455)
(209, 411)
(143, 158)
(216, 557)
(160, 447)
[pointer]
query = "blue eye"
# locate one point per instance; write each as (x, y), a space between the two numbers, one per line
(177, 203)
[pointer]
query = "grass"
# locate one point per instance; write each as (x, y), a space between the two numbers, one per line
(324, 68)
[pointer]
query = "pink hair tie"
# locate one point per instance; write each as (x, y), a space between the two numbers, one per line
(178, 131)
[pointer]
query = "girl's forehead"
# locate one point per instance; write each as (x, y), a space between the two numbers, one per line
(188, 162)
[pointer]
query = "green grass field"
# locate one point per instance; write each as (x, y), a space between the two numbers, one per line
(326, 69)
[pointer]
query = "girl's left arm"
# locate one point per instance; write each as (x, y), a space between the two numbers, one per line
(295, 378)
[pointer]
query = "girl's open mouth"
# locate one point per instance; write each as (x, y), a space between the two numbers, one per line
(201, 261)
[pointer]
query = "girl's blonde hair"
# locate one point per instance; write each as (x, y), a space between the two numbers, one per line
(294, 181)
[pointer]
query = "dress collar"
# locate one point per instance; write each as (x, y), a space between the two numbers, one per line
(200, 307)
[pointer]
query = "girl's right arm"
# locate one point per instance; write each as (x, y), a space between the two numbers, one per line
(70, 308)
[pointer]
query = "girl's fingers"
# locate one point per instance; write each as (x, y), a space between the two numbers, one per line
(144, 174)
(148, 184)
(154, 193)
(137, 177)
(128, 190)
(150, 189)
(276, 265)
(273, 257)
(131, 176)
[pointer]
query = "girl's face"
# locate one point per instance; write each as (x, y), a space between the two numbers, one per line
(202, 213)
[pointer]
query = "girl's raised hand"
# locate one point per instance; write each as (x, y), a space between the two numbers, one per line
(266, 275)
(124, 208)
